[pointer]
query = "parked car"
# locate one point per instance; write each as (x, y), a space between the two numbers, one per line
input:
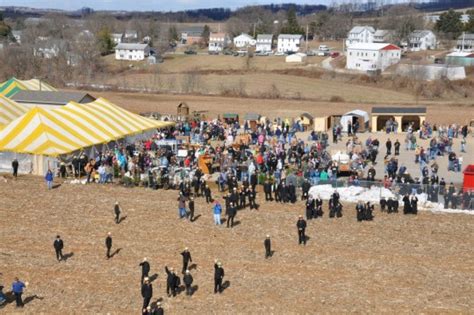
(323, 53)
(323, 48)
(213, 53)
(335, 54)
(190, 52)
(279, 53)
(228, 52)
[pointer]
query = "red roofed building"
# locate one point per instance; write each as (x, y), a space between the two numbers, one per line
(372, 56)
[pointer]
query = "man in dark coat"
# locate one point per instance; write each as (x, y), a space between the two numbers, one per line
(207, 193)
(368, 212)
(231, 214)
(383, 204)
(291, 193)
(305, 188)
(268, 246)
(191, 209)
(254, 180)
(360, 211)
(242, 198)
(414, 204)
(15, 167)
(58, 248)
(406, 204)
(171, 282)
(388, 145)
(252, 195)
(186, 259)
(147, 293)
(218, 276)
(188, 281)
(396, 146)
(145, 268)
(267, 188)
(108, 244)
(310, 209)
(301, 226)
(117, 212)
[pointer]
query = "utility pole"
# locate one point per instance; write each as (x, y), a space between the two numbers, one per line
(307, 30)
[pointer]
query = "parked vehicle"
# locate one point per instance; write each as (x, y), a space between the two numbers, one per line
(279, 53)
(213, 53)
(228, 52)
(335, 54)
(323, 48)
(190, 52)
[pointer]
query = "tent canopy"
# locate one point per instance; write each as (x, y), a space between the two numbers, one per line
(10, 110)
(72, 128)
(13, 86)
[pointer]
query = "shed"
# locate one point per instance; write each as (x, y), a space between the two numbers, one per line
(252, 119)
(307, 120)
(357, 115)
(468, 183)
(460, 58)
(183, 109)
(298, 57)
(403, 116)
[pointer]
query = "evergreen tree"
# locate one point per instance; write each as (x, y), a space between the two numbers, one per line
(450, 24)
(105, 41)
(292, 26)
(205, 34)
(469, 27)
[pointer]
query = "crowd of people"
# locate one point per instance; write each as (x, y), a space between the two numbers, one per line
(272, 156)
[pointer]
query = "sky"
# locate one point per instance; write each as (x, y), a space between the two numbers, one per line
(146, 5)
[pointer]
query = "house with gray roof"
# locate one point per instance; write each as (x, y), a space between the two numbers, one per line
(289, 42)
(264, 42)
(360, 34)
(421, 40)
(465, 42)
(132, 51)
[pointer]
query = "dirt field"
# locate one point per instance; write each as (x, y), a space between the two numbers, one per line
(442, 112)
(394, 264)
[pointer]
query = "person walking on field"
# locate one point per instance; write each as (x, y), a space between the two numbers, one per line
(117, 212)
(17, 289)
(191, 209)
(49, 179)
(301, 225)
(108, 244)
(58, 248)
(186, 259)
(145, 268)
(218, 276)
(188, 281)
(172, 282)
(268, 247)
(147, 293)
(15, 168)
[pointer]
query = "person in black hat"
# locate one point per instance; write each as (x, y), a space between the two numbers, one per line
(186, 259)
(268, 246)
(218, 276)
(301, 226)
(147, 293)
(58, 248)
(145, 268)
(108, 244)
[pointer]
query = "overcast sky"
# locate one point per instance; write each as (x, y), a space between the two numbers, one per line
(146, 5)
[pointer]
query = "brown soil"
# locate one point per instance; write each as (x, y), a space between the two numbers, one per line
(396, 263)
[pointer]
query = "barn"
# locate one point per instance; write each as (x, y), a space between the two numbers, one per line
(403, 116)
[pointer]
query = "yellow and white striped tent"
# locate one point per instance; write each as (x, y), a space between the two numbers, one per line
(13, 86)
(72, 128)
(10, 110)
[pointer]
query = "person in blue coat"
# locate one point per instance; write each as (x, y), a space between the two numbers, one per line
(17, 289)
(49, 178)
(217, 209)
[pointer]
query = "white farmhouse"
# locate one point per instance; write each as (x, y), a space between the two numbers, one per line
(218, 41)
(244, 41)
(117, 38)
(289, 43)
(421, 40)
(135, 52)
(130, 36)
(360, 34)
(372, 56)
(264, 42)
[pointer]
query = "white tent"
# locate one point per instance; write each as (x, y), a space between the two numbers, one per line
(352, 116)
